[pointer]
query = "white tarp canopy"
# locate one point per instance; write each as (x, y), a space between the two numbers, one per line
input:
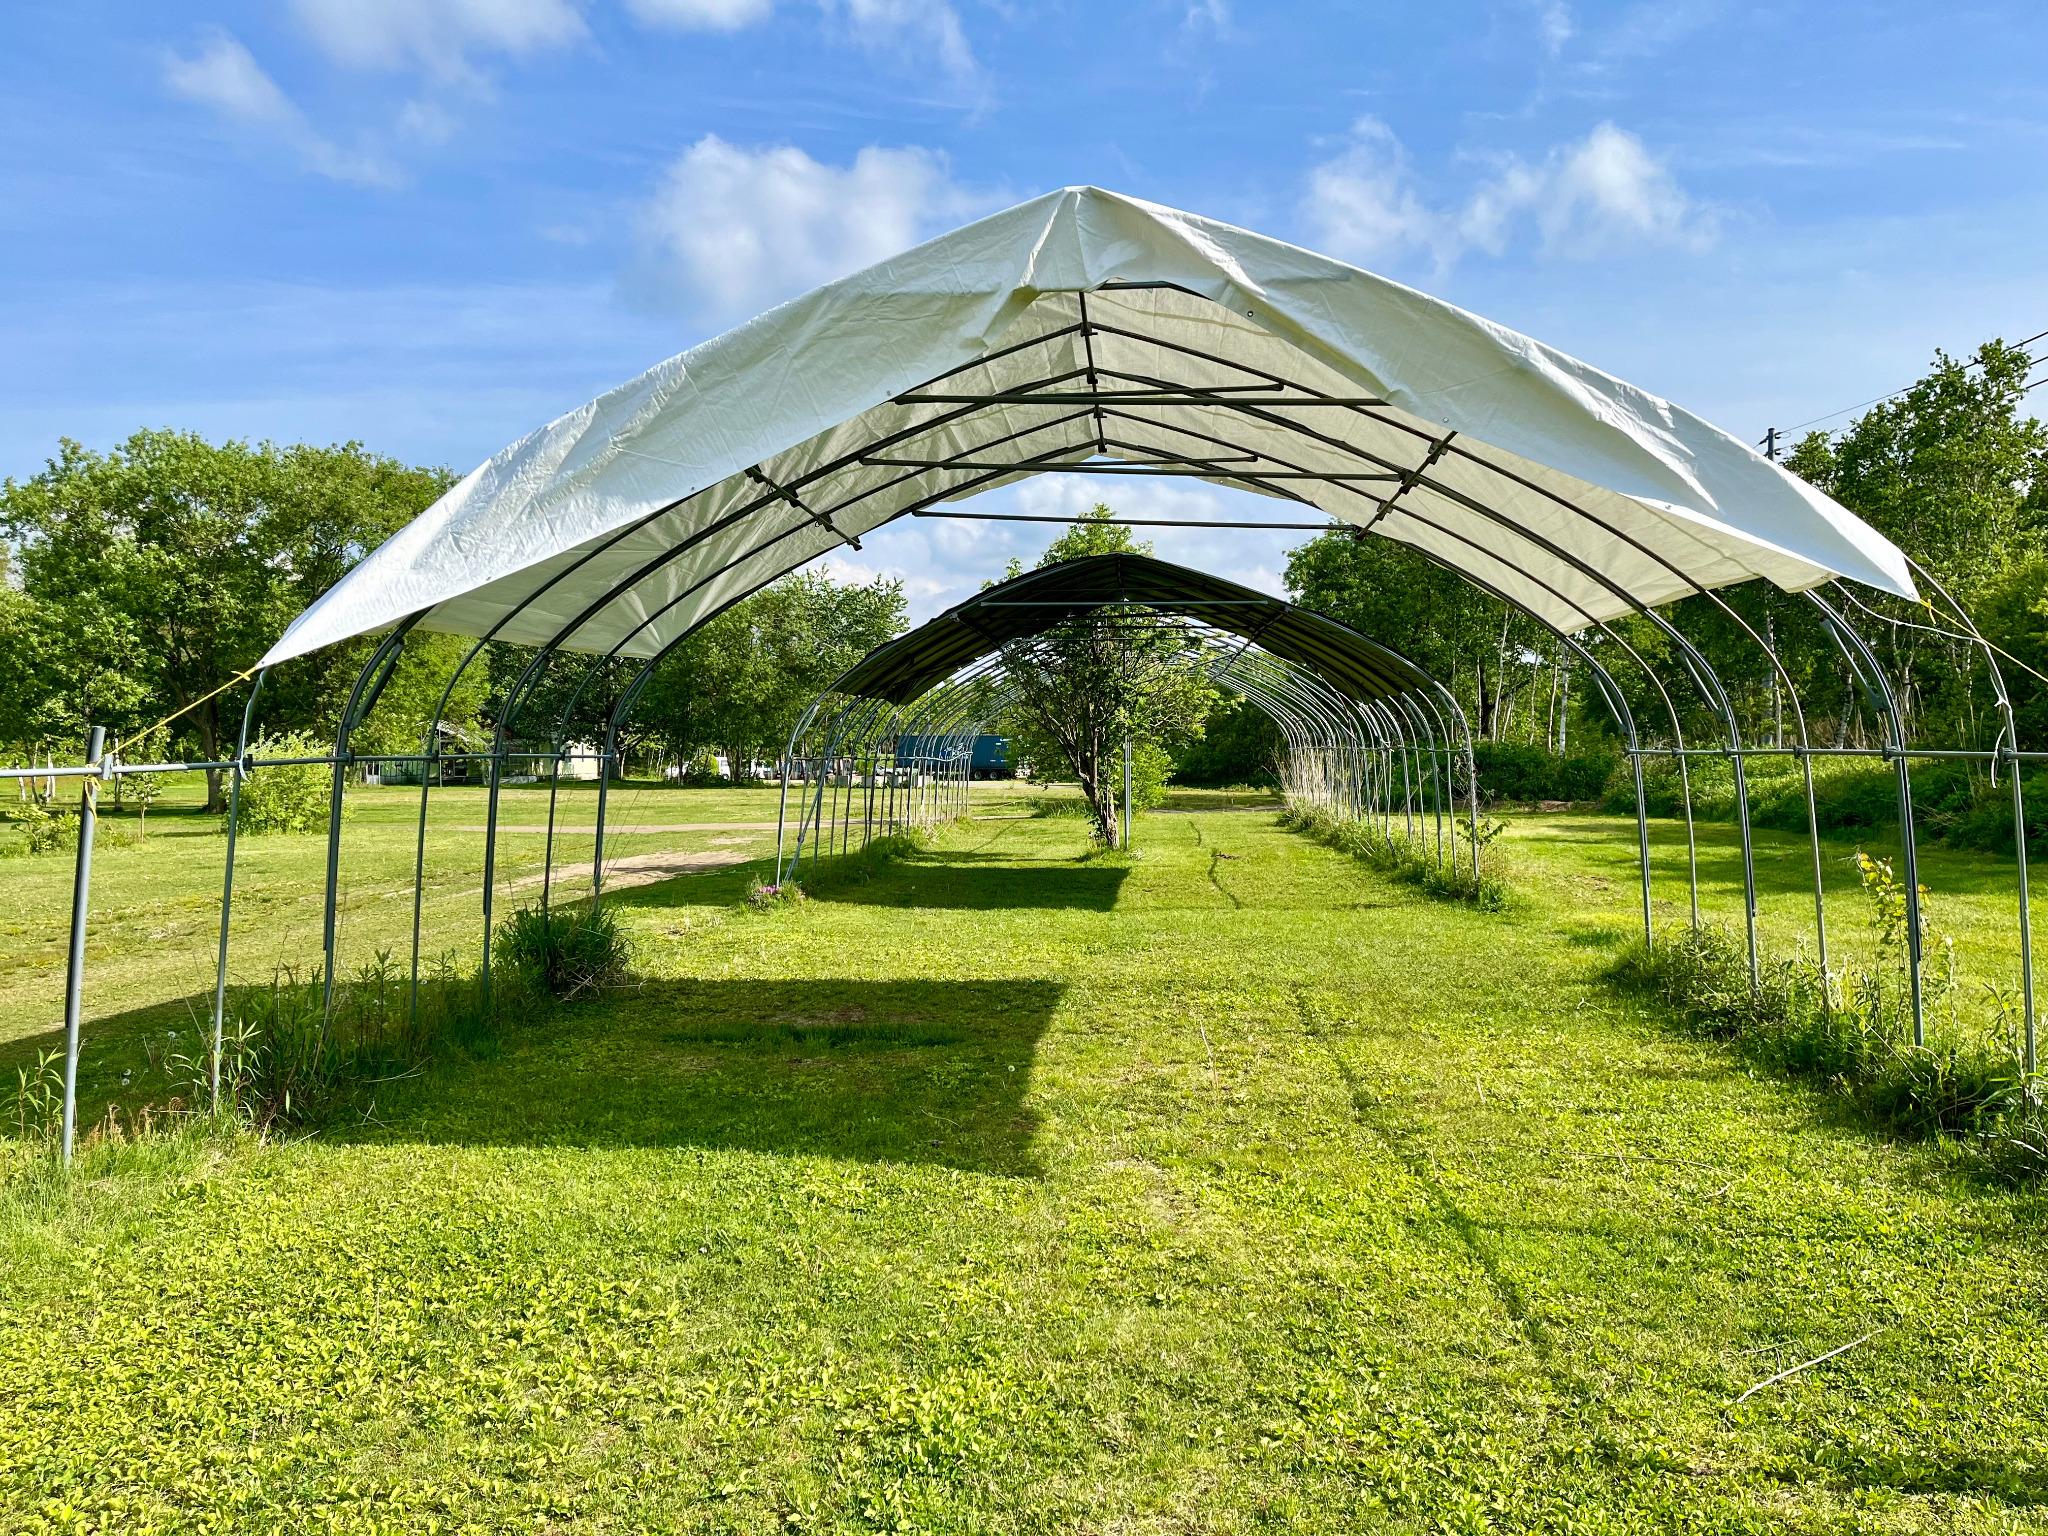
(1086, 327)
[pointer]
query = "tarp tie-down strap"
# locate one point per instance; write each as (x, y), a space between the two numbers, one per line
(120, 747)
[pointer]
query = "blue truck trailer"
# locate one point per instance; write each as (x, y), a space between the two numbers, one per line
(991, 754)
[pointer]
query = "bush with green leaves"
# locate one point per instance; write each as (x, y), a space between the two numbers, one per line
(701, 771)
(1511, 770)
(44, 830)
(289, 797)
(1852, 1030)
(1151, 767)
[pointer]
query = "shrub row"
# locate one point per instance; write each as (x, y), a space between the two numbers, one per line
(1519, 771)
(1407, 860)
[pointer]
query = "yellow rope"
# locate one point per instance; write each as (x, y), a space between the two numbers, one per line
(121, 746)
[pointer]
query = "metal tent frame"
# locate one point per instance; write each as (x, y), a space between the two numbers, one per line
(1109, 383)
(1356, 717)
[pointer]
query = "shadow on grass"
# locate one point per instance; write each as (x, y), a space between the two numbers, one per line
(965, 881)
(880, 1071)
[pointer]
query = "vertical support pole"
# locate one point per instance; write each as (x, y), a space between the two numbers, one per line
(491, 854)
(1635, 763)
(1910, 851)
(220, 975)
(1127, 794)
(604, 784)
(227, 890)
(362, 698)
(867, 833)
(2019, 829)
(1748, 865)
(1407, 795)
(1820, 899)
(547, 857)
(81, 888)
(330, 898)
(781, 817)
(1692, 844)
(1472, 799)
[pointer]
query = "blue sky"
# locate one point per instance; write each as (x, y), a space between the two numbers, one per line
(431, 224)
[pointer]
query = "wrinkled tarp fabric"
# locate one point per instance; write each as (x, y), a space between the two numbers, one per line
(625, 523)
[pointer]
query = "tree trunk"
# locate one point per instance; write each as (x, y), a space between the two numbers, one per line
(207, 721)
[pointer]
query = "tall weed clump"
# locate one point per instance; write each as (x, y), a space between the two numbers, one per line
(1851, 1030)
(1412, 861)
(857, 866)
(560, 954)
(294, 1055)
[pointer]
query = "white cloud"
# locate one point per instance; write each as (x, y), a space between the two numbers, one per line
(913, 28)
(437, 35)
(1362, 202)
(225, 77)
(1554, 25)
(701, 15)
(731, 230)
(919, 587)
(1607, 190)
(1592, 196)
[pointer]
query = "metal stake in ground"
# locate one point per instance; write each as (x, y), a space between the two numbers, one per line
(74, 976)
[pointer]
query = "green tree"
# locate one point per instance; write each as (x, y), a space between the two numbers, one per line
(1239, 744)
(1089, 684)
(738, 684)
(164, 568)
(1956, 474)
(1489, 655)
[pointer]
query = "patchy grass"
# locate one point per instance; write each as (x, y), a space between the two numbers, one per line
(1233, 1187)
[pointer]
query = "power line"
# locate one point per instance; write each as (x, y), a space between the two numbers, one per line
(1769, 441)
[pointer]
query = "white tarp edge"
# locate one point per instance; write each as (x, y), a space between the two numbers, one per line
(1700, 502)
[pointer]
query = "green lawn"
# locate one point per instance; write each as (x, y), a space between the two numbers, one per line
(1230, 1187)
(155, 924)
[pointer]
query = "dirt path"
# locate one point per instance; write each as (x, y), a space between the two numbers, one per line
(653, 868)
(626, 829)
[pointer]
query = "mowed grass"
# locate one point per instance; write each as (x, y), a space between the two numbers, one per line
(154, 927)
(1230, 1187)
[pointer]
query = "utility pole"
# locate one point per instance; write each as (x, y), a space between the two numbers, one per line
(1771, 444)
